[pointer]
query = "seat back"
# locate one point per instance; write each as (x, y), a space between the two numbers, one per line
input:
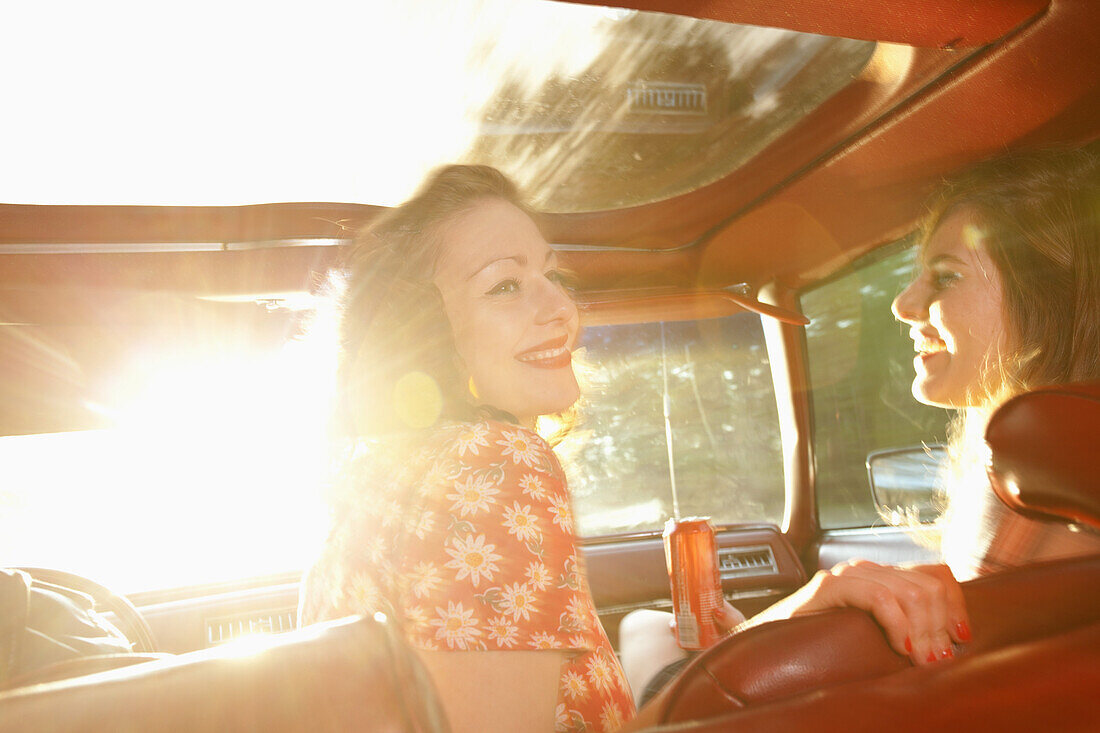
(1044, 463)
(354, 674)
(782, 659)
(1045, 684)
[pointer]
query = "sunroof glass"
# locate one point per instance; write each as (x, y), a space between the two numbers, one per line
(123, 102)
(662, 105)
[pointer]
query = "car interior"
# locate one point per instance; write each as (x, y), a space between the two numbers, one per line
(736, 186)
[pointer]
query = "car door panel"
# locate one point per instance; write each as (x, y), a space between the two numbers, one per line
(884, 545)
(757, 564)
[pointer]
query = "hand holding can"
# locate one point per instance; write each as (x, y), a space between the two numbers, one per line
(691, 554)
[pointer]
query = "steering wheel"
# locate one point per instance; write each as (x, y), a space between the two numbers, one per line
(129, 620)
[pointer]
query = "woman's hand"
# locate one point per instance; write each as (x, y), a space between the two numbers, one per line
(921, 608)
(727, 618)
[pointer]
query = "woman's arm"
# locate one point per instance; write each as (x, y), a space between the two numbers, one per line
(921, 609)
(496, 691)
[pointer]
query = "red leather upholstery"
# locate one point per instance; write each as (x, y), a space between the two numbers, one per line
(1046, 684)
(784, 659)
(1044, 461)
(1045, 456)
(355, 674)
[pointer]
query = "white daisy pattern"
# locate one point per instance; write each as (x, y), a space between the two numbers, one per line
(472, 494)
(578, 641)
(521, 446)
(611, 718)
(543, 640)
(573, 685)
(562, 513)
(416, 617)
(363, 594)
(578, 614)
(518, 599)
(538, 575)
(375, 548)
(598, 671)
(503, 632)
(472, 438)
(391, 512)
(457, 626)
(520, 523)
(438, 474)
(473, 558)
(467, 531)
(422, 525)
(532, 486)
(425, 578)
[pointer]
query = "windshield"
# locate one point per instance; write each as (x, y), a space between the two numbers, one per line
(225, 104)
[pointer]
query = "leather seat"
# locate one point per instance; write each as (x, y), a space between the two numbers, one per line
(835, 670)
(354, 674)
(1044, 684)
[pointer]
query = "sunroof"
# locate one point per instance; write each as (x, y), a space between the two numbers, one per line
(236, 103)
(665, 105)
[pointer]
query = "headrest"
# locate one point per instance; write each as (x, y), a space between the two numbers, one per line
(1045, 452)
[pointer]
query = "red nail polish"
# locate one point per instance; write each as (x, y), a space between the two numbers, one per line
(931, 657)
(963, 631)
(908, 645)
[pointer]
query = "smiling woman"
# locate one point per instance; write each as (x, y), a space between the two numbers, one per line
(955, 310)
(515, 326)
(461, 525)
(1007, 300)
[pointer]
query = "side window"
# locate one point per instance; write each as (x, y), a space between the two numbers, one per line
(861, 370)
(724, 422)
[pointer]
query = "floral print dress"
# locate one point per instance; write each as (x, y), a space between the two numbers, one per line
(467, 535)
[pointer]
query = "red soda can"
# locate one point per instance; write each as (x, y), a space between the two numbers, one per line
(691, 553)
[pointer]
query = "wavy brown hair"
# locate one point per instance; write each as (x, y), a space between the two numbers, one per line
(392, 321)
(1039, 212)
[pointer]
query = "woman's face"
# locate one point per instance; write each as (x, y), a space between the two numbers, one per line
(954, 311)
(515, 325)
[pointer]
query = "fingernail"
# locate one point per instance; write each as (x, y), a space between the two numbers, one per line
(908, 645)
(947, 653)
(963, 631)
(931, 657)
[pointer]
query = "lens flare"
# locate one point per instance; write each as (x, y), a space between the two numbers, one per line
(417, 400)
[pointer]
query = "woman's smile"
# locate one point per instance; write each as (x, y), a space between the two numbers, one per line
(552, 354)
(926, 346)
(514, 322)
(954, 312)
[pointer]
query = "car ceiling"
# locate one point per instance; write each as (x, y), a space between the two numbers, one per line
(849, 177)
(950, 83)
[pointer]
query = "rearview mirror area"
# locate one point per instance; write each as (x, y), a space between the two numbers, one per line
(907, 483)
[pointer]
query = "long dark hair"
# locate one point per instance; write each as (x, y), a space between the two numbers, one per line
(1039, 215)
(396, 342)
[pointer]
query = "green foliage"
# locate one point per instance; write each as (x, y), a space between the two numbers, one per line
(724, 425)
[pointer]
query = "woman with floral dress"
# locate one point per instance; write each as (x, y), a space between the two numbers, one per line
(452, 513)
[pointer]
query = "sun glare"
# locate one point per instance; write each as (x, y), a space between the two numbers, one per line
(213, 471)
(217, 103)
